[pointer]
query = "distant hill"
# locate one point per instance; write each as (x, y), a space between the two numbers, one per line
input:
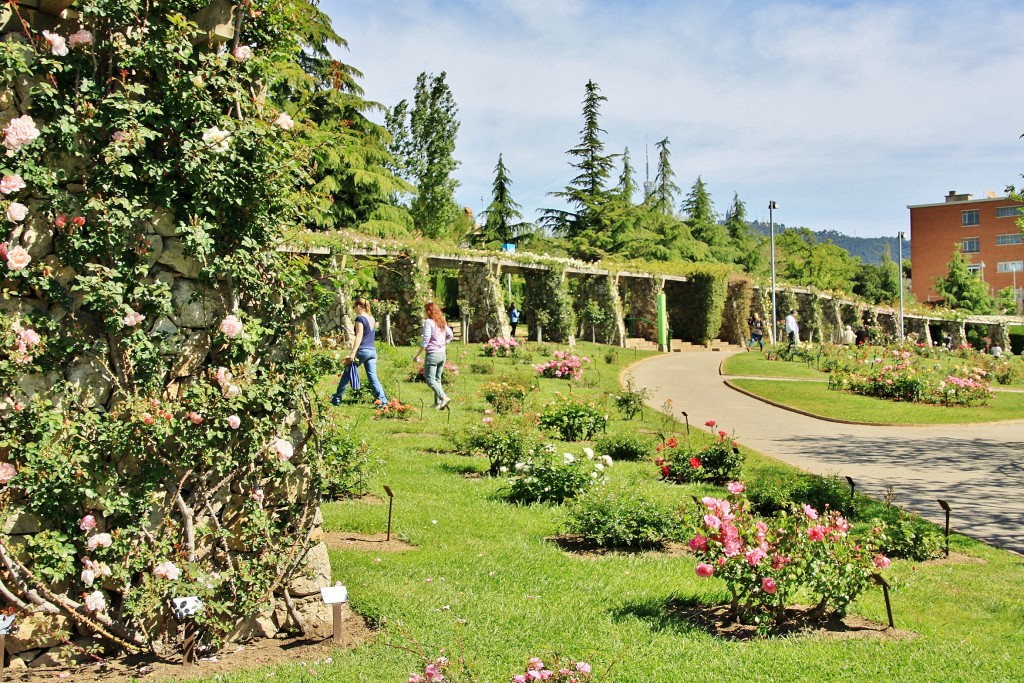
(868, 249)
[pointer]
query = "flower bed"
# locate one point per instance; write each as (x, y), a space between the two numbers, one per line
(564, 365)
(547, 478)
(500, 347)
(714, 459)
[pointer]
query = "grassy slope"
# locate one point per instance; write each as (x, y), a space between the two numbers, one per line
(483, 576)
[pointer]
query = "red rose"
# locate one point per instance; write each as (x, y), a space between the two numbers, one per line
(695, 463)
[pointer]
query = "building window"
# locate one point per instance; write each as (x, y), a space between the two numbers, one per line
(1012, 238)
(974, 268)
(1008, 211)
(969, 217)
(1009, 266)
(971, 245)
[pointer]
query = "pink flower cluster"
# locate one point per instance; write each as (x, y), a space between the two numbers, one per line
(432, 672)
(564, 365)
(500, 347)
(570, 672)
(20, 132)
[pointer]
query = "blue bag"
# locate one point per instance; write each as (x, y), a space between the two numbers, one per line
(353, 375)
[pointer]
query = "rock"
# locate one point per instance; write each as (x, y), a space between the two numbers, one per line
(65, 655)
(261, 625)
(314, 573)
(91, 380)
(21, 523)
(19, 661)
(36, 383)
(318, 618)
(195, 305)
(38, 630)
(162, 223)
(62, 273)
(154, 249)
(194, 351)
(36, 233)
(173, 255)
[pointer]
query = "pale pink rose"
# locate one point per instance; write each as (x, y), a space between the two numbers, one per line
(284, 121)
(755, 556)
(882, 562)
(535, 664)
(231, 326)
(12, 183)
(583, 667)
(81, 37)
(488, 420)
(768, 585)
(234, 422)
(88, 576)
(16, 212)
(20, 131)
(18, 258)
(810, 512)
(841, 525)
(257, 495)
(58, 44)
(99, 541)
(166, 570)
(816, 533)
(133, 318)
(195, 418)
(95, 601)
(88, 523)
(101, 569)
(242, 53)
(712, 521)
(736, 488)
(223, 377)
(119, 136)
(28, 337)
(705, 570)
(283, 447)
(232, 390)
(7, 472)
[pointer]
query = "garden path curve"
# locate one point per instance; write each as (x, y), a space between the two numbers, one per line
(977, 469)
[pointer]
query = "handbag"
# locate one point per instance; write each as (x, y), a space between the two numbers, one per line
(353, 375)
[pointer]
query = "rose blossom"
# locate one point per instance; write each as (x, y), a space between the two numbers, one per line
(16, 212)
(95, 602)
(28, 337)
(698, 543)
(7, 472)
(705, 570)
(81, 37)
(88, 576)
(133, 318)
(755, 556)
(18, 258)
(284, 121)
(712, 521)
(810, 512)
(99, 541)
(242, 53)
(88, 523)
(735, 488)
(58, 44)
(710, 423)
(195, 418)
(12, 183)
(816, 533)
(583, 667)
(166, 570)
(217, 139)
(231, 326)
(768, 585)
(882, 562)
(283, 447)
(234, 421)
(20, 131)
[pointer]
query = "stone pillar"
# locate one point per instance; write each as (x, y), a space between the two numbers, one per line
(546, 302)
(955, 329)
(918, 327)
(404, 279)
(761, 303)
(734, 328)
(602, 291)
(641, 304)
(808, 316)
(999, 333)
(831, 321)
(888, 323)
(480, 289)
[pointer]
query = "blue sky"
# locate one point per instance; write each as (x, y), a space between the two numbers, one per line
(842, 112)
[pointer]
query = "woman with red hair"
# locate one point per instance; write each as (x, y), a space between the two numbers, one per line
(436, 335)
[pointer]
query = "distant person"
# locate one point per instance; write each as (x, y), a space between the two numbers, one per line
(792, 328)
(996, 350)
(513, 317)
(364, 352)
(849, 337)
(861, 337)
(436, 335)
(756, 331)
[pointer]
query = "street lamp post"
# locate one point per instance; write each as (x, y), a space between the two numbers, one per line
(903, 325)
(775, 316)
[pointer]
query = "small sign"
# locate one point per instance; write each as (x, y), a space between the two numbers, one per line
(508, 248)
(185, 608)
(334, 595)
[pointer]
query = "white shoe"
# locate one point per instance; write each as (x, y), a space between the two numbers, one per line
(444, 403)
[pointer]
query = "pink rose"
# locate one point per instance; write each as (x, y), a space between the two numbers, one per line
(736, 488)
(257, 495)
(234, 421)
(283, 447)
(11, 184)
(488, 421)
(88, 523)
(242, 53)
(195, 418)
(231, 326)
(768, 585)
(284, 121)
(841, 525)
(583, 667)
(88, 576)
(882, 562)
(810, 512)
(698, 543)
(7, 472)
(81, 37)
(133, 318)
(705, 570)
(58, 45)
(755, 556)
(99, 541)
(28, 337)
(712, 521)
(535, 664)
(20, 131)
(816, 533)
(166, 570)
(95, 601)
(18, 258)
(16, 212)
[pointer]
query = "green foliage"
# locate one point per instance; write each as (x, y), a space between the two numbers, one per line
(714, 459)
(961, 289)
(771, 495)
(630, 401)
(346, 463)
(503, 220)
(572, 419)
(625, 446)
(907, 536)
(502, 443)
(550, 478)
(803, 260)
(507, 396)
(623, 519)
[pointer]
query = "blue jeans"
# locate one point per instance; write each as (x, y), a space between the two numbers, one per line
(433, 366)
(368, 359)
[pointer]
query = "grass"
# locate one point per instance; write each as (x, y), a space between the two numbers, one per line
(756, 365)
(483, 582)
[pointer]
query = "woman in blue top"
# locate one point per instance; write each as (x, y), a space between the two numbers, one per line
(436, 335)
(364, 353)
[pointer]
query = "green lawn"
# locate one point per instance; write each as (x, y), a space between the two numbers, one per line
(483, 582)
(756, 365)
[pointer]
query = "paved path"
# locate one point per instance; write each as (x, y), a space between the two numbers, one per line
(977, 469)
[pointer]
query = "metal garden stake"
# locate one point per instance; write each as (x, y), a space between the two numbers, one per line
(945, 506)
(391, 505)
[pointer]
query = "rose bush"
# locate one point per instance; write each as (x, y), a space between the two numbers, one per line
(714, 458)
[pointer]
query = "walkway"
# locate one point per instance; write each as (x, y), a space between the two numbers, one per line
(977, 469)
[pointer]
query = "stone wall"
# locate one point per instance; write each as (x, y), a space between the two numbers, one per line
(547, 305)
(483, 301)
(734, 327)
(639, 296)
(404, 279)
(603, 291)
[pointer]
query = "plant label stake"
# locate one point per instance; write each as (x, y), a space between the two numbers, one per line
(849, 480)
(185, 610)
(421, 408)
(6, 626)
(885, 592)
(687, 418)
(945, 506)
(336, 596)
(391, 505)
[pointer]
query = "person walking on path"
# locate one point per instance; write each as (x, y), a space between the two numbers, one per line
(364, 352)
(436, 335)
(756, 331)
(513, 317)
(792, 328)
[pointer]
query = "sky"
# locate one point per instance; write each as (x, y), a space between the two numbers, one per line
(842, 112)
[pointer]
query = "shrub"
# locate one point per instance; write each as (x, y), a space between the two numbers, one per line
(500, 347)
(631, 401)
(345, 463)
(908, 537)
(627, 446)
(772, 495)
(565, 365)
(503, 445)
(394, 410)
(548, 478)
(448, 375)
(624, 519)
(705, 458)
(571, 419)
(506, 396)
(481, 369)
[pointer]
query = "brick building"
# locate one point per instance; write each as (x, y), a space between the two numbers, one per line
(987, 232)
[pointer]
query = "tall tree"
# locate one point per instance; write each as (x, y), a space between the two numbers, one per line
(805, 261)
(749, 247)
(700, 216)
(626, 187)
(424, 138)
(961, 289)
(663, 197)
(586, 194)
(503, 220)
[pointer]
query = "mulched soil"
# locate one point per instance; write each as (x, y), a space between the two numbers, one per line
(347, 540)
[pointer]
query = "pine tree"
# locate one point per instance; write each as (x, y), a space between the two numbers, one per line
(626, 187)
(503, 219)
(663, 197)
(961, 289)
(700, 216)
(748, 246)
